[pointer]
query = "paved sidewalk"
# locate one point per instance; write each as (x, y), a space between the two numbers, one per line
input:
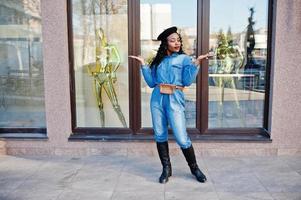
(135, 177)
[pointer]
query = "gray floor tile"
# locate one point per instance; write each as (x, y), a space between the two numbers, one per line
(286, 196)
(100, 180)
(180, 195)
(138, 195)
(14, 172)
(236, 182)
(244, 196)
(136, 177)
(85, 195)
(279, 195)
(294, 162)
(267, 164)
(142, 167)
(105, 162)
(34, 194)
(130, 182)
(293, 195)
(280, 182)
(227, 164)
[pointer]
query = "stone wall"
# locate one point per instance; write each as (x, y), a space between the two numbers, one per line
(2, 148)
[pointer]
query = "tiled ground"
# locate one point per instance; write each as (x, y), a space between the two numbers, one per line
(135, 177)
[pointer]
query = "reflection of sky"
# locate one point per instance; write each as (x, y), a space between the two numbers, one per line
(236, 13)
(223, 13)
(183, 12)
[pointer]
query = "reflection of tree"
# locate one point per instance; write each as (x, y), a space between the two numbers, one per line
(228, 54)
(250, 38)
(29, 7)
(103, 7)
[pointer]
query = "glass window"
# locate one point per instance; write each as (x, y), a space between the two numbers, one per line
(21, 65)
(238, 36)
(100, 42)
(157, 15)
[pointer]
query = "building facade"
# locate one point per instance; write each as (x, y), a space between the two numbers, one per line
(68, 87)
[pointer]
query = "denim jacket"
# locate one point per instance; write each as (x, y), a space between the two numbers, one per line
(176, 69)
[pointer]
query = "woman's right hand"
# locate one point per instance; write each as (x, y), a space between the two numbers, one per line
(138, 58)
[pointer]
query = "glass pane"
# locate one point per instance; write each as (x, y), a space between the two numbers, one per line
(157, 15)
(238, 36)
(100, 41)
(21, 65)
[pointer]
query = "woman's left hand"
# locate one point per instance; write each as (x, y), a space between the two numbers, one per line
(200, 58)
(138, 58)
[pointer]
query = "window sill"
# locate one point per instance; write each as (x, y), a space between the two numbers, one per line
(148, 137)
(23, 136)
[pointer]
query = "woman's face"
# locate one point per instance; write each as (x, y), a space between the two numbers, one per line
(173, 43)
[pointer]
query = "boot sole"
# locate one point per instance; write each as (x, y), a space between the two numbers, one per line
(163, 182)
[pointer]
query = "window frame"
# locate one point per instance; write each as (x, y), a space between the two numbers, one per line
(135, 131)
(24, 132)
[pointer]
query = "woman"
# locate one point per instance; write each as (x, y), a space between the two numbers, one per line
(170, 71)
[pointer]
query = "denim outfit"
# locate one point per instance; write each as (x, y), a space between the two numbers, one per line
(176, 69)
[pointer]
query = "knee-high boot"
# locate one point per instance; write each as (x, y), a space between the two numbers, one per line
(165, 161)
(191, 160)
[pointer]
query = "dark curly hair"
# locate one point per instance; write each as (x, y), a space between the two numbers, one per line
(162, 52)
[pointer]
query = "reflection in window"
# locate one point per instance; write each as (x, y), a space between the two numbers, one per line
(157, 15)
(100, 62)
(21, 65)
(237, 72)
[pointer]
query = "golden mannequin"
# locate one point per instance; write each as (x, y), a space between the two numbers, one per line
(107, 61)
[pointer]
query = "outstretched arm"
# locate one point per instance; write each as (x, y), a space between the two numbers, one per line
(148, 73)
(191, 69)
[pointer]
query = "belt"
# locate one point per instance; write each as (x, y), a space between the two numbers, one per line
(179, 87)
(172, 86)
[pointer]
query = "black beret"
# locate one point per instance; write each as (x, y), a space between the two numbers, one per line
(167, 32)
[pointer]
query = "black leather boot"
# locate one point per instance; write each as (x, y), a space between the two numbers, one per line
(165, 161)
(190, 158)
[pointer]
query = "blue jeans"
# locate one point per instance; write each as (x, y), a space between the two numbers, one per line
(169, 109)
